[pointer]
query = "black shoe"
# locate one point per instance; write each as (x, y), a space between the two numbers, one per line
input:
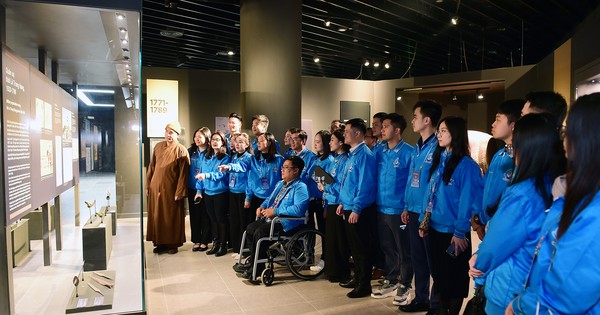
(241, 268)
(214, 249)
(202, 248)
(360, 291)
(196, 247)
(338, 279)
(222, 250)
(350, 284)
(414, 307)
(160, 249)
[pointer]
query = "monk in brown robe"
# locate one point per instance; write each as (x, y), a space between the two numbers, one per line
(166, 187)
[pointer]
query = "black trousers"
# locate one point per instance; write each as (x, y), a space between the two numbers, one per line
(421, 262)
(199, 220)
(239, 218)
(217, 207)
(395, 246)
(337, 252)
(255, 231)
(450, 275)
(315, 212)
(360, 239)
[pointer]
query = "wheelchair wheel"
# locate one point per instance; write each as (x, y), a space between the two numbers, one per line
(304, 253)
(267, 276)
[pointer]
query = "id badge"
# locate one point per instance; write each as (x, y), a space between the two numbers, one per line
(264, 183)
(232, 181)
(416, 180)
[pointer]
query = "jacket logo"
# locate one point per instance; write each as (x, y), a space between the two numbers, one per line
(429, 158)
(507, 176)
(396, 163)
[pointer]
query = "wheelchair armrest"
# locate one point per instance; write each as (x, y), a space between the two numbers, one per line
(278, 219)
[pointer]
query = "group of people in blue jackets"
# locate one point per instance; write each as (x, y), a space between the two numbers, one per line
(409, 210)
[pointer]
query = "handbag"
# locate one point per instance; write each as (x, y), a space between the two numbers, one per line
(476, 305)
(426, 222)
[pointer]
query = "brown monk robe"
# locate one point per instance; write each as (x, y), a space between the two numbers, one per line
(166, 184)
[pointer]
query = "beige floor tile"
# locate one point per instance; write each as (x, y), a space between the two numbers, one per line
(275, 308)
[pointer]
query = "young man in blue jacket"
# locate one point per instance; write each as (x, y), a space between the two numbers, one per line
(357, 194)
(290, 198)
(426, 115)
(500, 172)
(298, 147)
(260, 125)
(393, 161)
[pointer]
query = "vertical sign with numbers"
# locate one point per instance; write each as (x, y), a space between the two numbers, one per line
(162, 106)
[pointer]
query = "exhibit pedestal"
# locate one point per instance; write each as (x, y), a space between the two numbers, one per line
(20, 241)
(112, 210)
(97, 243)
(86, 299)
(35, 223)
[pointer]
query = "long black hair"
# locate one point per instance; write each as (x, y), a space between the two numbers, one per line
(203, 131)
(272, 147)
(339, 134)
(583, 149)
(459, 144)
(538, 152)
(222, 152)
(325, 137)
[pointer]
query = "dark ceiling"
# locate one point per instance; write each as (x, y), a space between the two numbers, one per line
(415, 37)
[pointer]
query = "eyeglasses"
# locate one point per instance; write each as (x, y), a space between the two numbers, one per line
(287, 167)
(441, 132)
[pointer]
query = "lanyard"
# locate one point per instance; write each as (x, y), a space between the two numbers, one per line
(419, 151)
(436, 180)
(282, 193)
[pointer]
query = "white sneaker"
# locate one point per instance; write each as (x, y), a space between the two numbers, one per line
(235, 256)
(318, 267)
(402, 296)
(385, 290)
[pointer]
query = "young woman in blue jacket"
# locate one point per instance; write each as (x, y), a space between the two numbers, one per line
(565, 276)
(323, 160)
(239, 216)
(504, 256)
(336, 246)
(213, 186)
(264, 171)
(454, 192)
(199, 221)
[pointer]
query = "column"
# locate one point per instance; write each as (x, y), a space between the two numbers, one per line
(270, 62)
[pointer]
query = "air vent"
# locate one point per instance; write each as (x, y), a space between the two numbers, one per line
(171, 33)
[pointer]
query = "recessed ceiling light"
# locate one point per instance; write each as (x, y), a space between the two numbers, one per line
(124, 41)
(127, 66)
(327, 22)
(385, 51)
(454, 20)
(387, 65)
(122, 30)
(376, 64)
(230, 52)
(342, 29)
(399, 98)
(355, 40)
(366, 63)
(316, 59)
(120, 16)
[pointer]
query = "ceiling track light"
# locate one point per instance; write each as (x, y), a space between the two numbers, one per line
(327, 22)
(479, 95)
(120, 16)
(454, 20)
(122, 30)
(316, 59)
(366, 63)
(387, 65)
(376, 64)
(230, 52)
(124, 41)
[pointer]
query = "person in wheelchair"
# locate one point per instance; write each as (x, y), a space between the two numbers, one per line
(289, 198)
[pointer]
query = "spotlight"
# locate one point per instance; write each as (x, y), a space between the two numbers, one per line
(316, 59)
(479, 96)
(376, 64)
(230, 52)
(122, 30)
(124, 41)
(120, 16)
(327, 22)
(398, 98)
(342, 29)
(454, 20)
(454, 98)
(366, 63)
(387, 65)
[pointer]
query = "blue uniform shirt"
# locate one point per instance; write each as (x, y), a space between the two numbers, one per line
(289, 152)
(498, 176)
(336, 169)
(216, 182)
(313, 188)
(262, 175)
(454, 203)
(566, 273)
(196, 160)
(293, 202)
(357, 190)
(420, 165)
(238, 181)
(507, 250)
(392, 171)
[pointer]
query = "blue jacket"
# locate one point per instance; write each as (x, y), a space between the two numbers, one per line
(418, 173)
(293, 203)
(238, 182)
(335, 169)
(196, 160)
(454, 203)
(309, 159)
(569, 282)
(357, 190)
(507, 250)
(498, 176)
(216, 182)
(262, 175)
(313, 188)
(287, 153)
(392, 171)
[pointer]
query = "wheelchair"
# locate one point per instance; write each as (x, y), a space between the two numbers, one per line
(299, 252)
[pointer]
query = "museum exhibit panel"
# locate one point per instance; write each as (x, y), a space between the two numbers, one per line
(70, 107)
